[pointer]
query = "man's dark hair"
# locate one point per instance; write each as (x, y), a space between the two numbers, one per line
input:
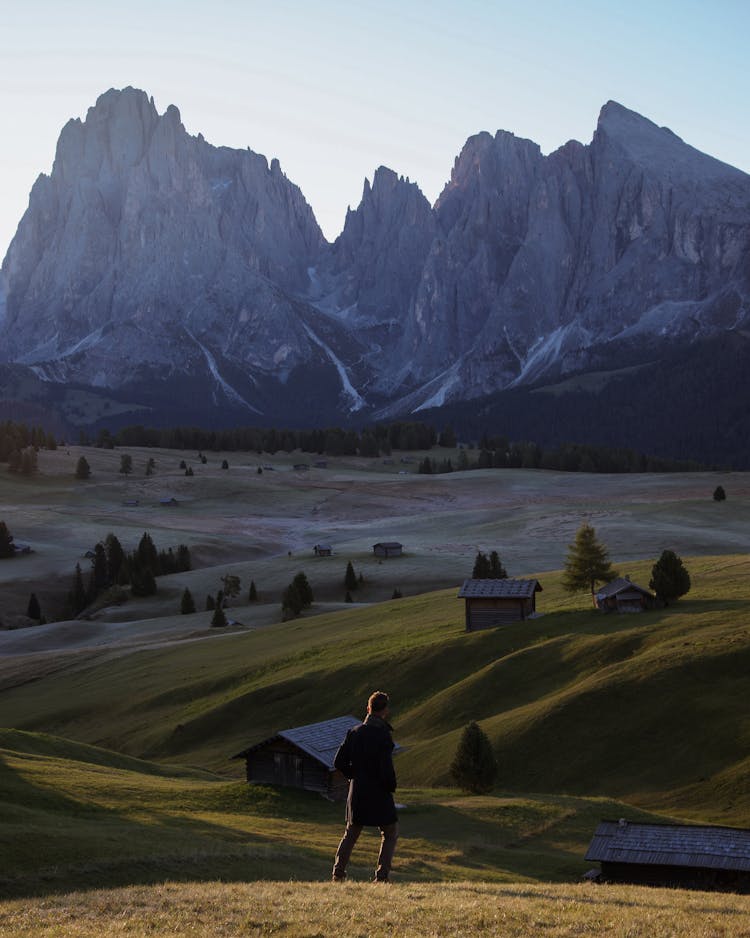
(377, 701)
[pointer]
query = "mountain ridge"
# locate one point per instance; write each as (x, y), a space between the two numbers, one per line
(149, 257)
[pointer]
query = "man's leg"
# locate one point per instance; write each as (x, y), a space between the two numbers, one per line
(344, 851)
(388, 838)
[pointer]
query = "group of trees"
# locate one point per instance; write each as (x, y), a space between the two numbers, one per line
(488, 568)
(587, 563)
(112, 566)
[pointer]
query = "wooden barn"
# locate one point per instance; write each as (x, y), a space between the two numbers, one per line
(388, 549)
(301, 757)
(622, 595)
(684, 855)
(496, 602)
(322, 550)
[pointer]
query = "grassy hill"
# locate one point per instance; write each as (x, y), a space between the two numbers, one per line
(651, 709)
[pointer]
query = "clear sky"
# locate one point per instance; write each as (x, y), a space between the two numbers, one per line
(335, 88)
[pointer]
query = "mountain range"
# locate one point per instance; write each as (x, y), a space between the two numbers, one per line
(156, 278)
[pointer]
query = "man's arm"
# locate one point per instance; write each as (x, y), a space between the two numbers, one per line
(342, 760)
(387, 772)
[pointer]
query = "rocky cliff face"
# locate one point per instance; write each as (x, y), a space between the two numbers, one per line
(150, 254)
(146, 244)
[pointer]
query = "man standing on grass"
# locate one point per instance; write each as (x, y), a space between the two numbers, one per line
(365, 758)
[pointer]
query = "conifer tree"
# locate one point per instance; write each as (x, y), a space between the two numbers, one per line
(719, 494)
(218, 619)
(126, 464)
(497, 570)
(210, 603)
(6, 541)
(252, 595)
(187, 603)
(474, 767)
(587, 562)
(83, 470)
(34, 610)
(481, 570)
(348, 597)
(350, 577)
(115, 557)
(304, 590)
(77, 596)
(291, 603)
(669, 578)
(148, 556)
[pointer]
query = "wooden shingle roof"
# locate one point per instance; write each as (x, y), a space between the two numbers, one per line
(720, 848)
(319, 740)
(499, 589)
(619, 586)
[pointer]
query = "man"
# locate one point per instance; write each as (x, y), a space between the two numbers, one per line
(365, 758)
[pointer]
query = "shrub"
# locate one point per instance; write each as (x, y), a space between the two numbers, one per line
(474, 767)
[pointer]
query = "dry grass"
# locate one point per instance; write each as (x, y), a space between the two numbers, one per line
(321, 910)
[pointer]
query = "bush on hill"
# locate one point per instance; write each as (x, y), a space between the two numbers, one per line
(474, 767)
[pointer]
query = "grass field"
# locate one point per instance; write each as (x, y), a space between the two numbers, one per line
(117, 769)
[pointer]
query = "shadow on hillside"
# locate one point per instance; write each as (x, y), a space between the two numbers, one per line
(59, 843)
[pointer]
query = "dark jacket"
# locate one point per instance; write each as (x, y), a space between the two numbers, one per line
(365, 757)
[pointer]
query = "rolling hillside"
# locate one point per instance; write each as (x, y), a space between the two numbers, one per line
(651, 709)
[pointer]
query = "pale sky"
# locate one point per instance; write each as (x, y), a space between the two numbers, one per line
(334, 89)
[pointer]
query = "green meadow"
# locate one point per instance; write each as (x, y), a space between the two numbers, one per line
(115, 764)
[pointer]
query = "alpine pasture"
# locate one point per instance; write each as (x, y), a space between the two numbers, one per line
(116, 768)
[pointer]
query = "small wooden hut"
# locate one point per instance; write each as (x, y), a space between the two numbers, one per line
(496, 602)
(322, 550)
(622, 595)
(301, 757)
(684, 855)
(388, 549)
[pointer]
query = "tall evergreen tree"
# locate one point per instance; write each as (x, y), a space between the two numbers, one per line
(669, 577)
(719, 494)
(587, 563)
(302, 585)
(148, 555)
(350, 577)
(291, 603)
(474, 766)
(6, 541)
(126, 464)
(183, 558)
(77, 596)
(232, 585)
(481, 570)
(115, 557)
(34, 610)
(187, 603)
(218, 619)
(83, 470)
(497, 570)
(252, 596)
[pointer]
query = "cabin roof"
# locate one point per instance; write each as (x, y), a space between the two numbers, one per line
(620, 585)
(319, 740)
(724, 848)
(388, 544)
(499, 589)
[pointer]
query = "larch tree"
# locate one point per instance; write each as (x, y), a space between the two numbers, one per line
(587, 563)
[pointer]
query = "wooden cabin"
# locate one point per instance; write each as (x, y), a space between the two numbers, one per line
(322, 550)
(301, 757)
(496, 602)
(684, 855)
(622, 595)
(388, 549)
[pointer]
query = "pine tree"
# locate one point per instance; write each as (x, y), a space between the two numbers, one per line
(481, 569)
(218, 619)
(350, 577)
(232, 585)
(587, 562)
(187, 603)
(148, 556)
(302, 585)
(34, 610)
(348, 597)
(126, 464)
(291, 603)
(210, 603)
(6, 541)
(83, 470)
(497, 570)
(115, 557)
(77, 596)
(719, 494)
(474, 767)
(252, 596)
(150, 466)
(669, 578)
(182, 563)
(396, 594)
